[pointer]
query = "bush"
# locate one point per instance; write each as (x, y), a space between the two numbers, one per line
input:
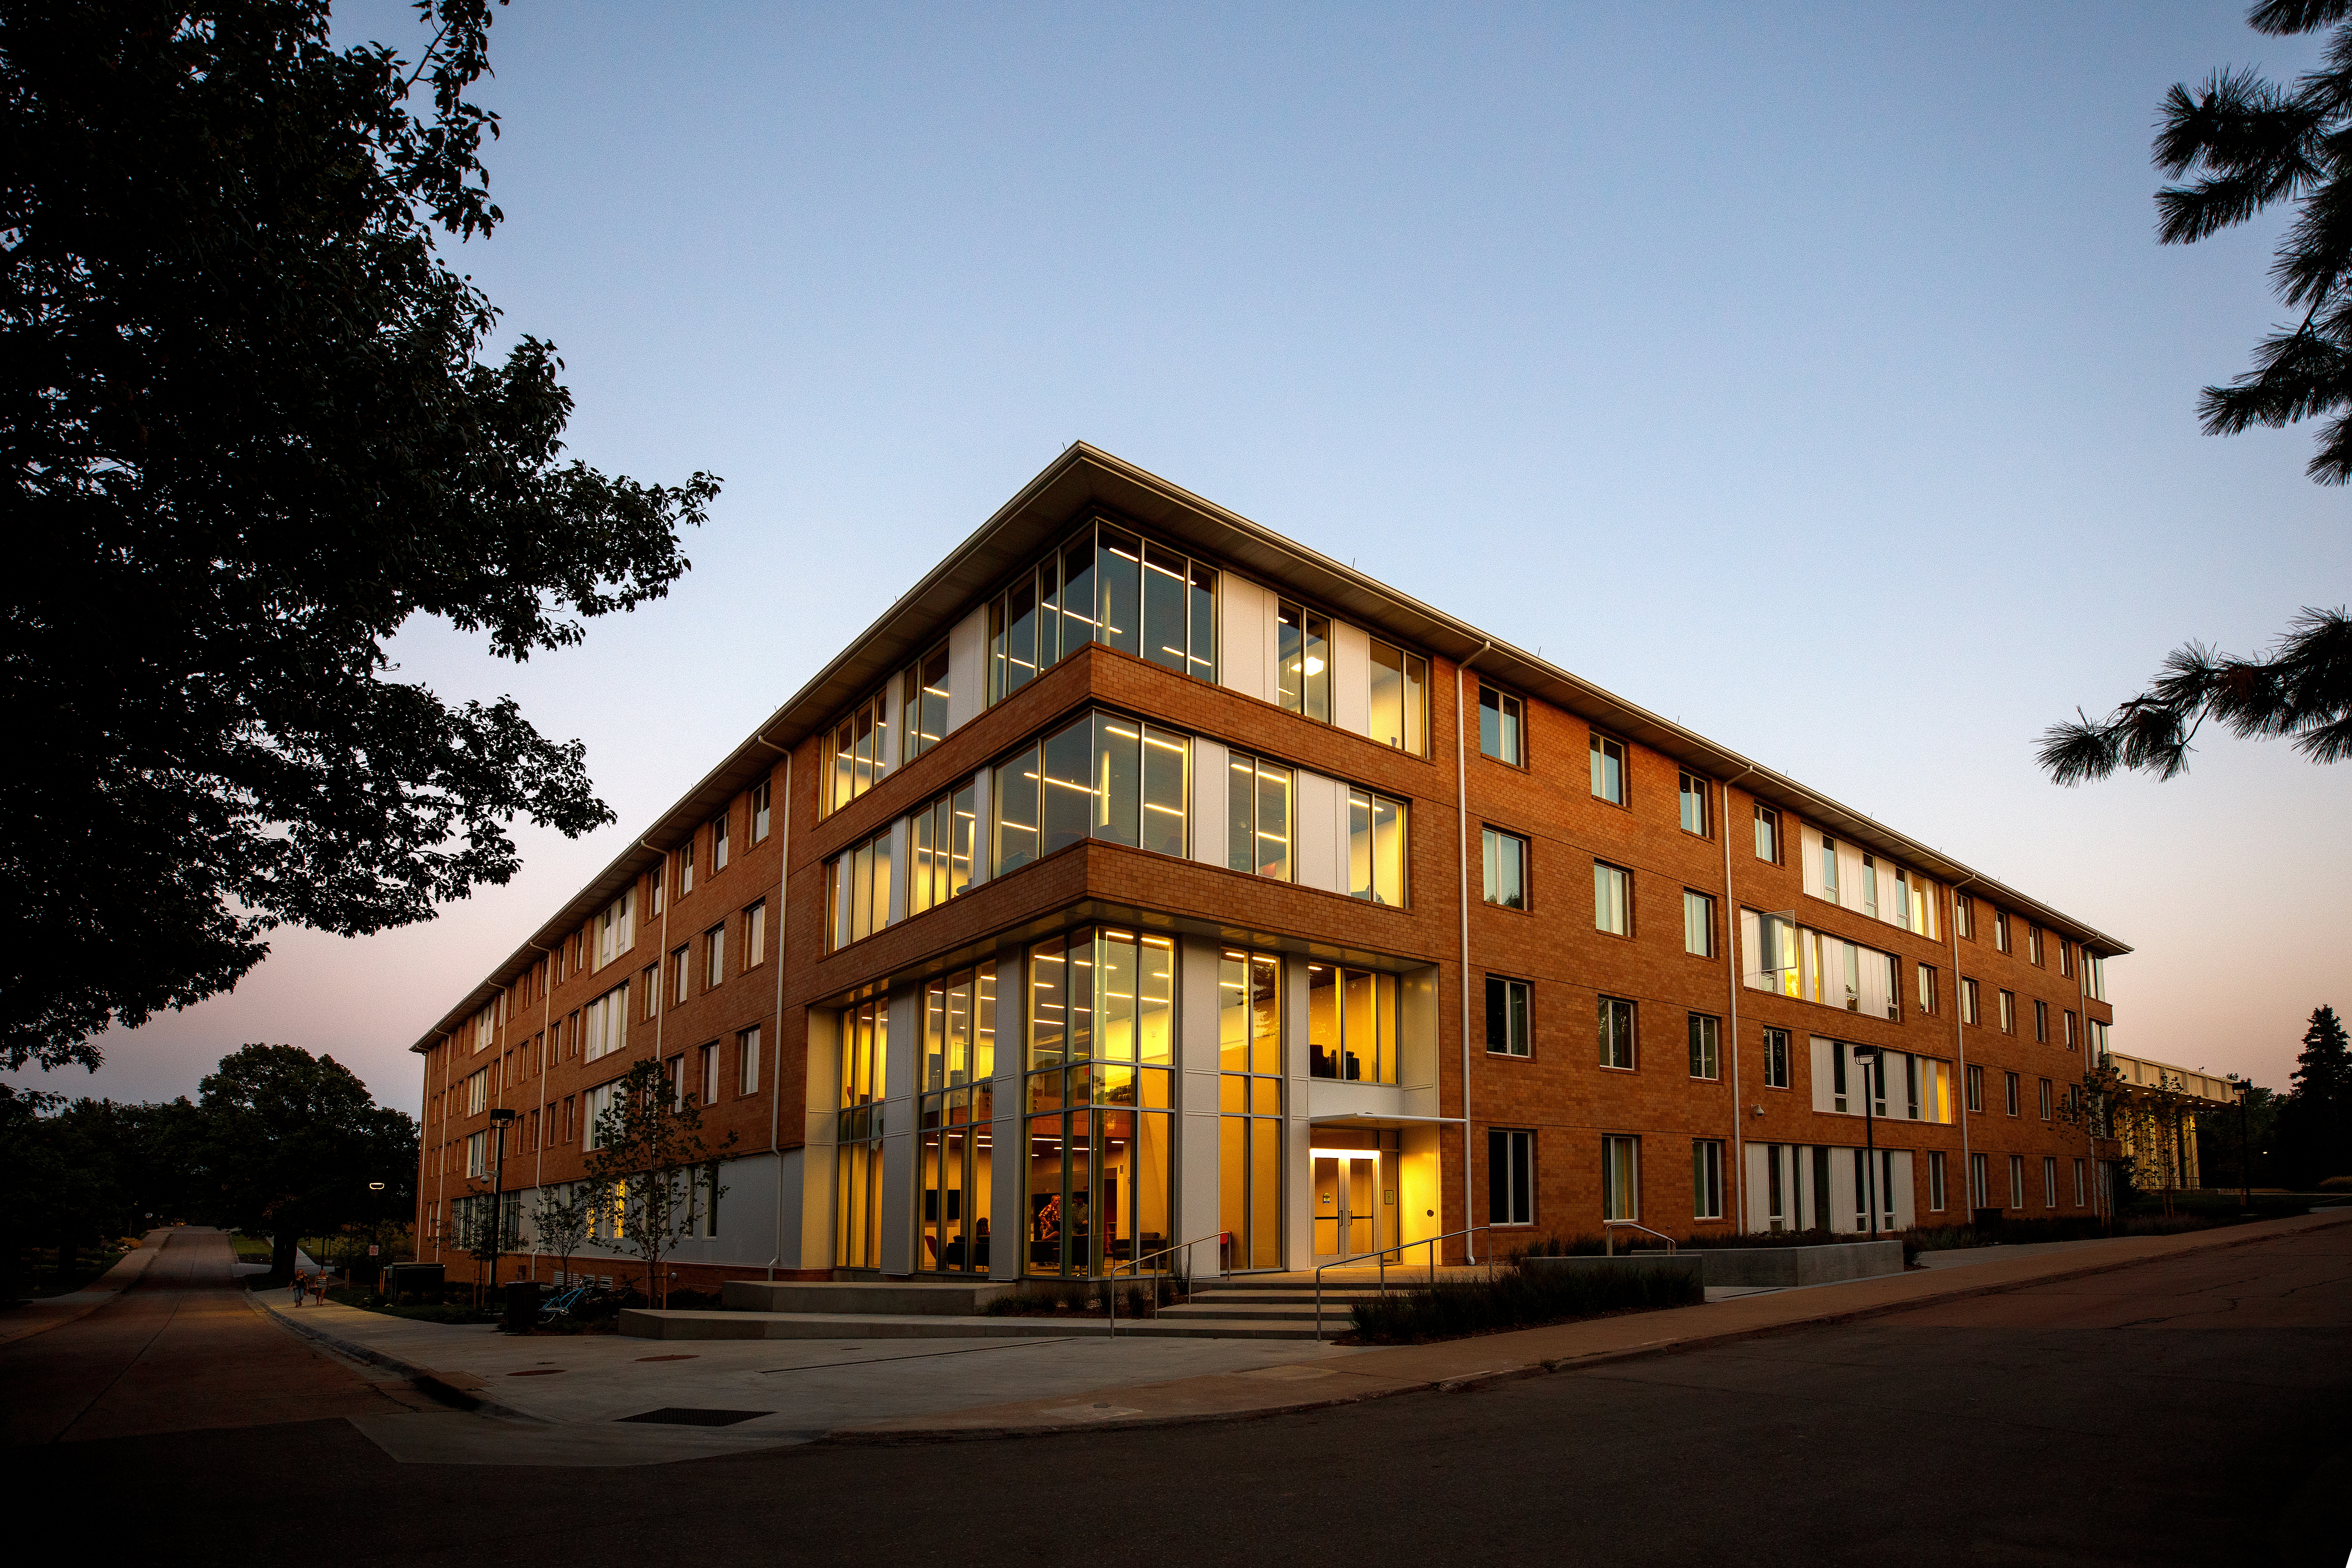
(1516, 1299)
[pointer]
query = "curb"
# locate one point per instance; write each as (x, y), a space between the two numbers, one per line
(426, 1380)
(140, 1257)
(849, 1437)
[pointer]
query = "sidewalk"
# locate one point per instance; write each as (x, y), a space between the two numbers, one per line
(1531, 1352)
(55, 1311)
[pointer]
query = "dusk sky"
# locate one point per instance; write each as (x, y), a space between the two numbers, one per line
(1812, 377)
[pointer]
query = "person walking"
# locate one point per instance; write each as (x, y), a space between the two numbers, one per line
(301, 1286)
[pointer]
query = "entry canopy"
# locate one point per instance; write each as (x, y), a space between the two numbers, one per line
(1383, 1123)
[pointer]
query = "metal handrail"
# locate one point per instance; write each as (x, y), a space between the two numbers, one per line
(1632, 1225)
(1382, 1254)
(1111, 1290)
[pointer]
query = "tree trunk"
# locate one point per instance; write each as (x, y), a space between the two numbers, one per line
(281, 1255)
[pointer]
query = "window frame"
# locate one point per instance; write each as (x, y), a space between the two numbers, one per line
(1492, 839)
(1044, 586)
(763, 803)
(1260, 772)
(1783, 1058)
(1412, 698)
(1696, 787)
(1615, 1039)
(1973, 1082)
(1707, 1179)
(1706, 1030)
(1510, 725)
(1768, 826)
(2012, 1093)
(918, 701)
(1706, 905)
(1511, 1176)
(1602, 871)
(1517, 1010)
(1370, 803)
(1597, 750)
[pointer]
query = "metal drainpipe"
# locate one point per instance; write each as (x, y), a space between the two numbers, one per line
(1960, 1046)
(441, 1154)
(546, 1028)
(1731, 978)
(776, 1053)
(661, 955)
(1461, 824)
(497, 1214)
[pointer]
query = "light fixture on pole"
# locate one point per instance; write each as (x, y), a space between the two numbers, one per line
(1867, 1057)
(488, 1251)
(2245, 1089)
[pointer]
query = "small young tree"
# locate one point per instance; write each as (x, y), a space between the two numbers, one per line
(646, 1167)
(562, 1218)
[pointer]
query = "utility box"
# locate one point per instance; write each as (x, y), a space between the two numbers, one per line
(522, 1307)
(423, 1279)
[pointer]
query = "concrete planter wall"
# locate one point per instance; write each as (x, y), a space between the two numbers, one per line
(1785, 1265)
(891, 1297)
(1688, 1264)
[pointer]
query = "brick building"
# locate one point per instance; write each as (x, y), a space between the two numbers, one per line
(1145, 885)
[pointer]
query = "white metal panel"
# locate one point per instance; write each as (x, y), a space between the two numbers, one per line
(1313, 836)
(1208, 824)
(1244, 636)
(1196, 1210)
(967, 668)
(897, 1218)
(1351, 678)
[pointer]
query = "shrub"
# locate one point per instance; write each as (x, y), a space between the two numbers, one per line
(2336, 1184)
(1519, 1298)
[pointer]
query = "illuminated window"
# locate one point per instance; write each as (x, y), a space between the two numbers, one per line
(1303, 661)
(1103, 775)
(1399, 699)
(923, 702)
(1258, 816)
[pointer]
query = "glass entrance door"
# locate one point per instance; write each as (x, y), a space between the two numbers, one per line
(1347, 1205)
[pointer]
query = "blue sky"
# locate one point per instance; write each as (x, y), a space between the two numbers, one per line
(1811, 377)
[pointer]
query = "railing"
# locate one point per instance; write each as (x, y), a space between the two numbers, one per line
(1428, 1241)
(1110, 1289)
(1609, 1242)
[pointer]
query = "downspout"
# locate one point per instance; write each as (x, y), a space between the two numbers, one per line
(441, 1154)
(498, 1204)
(661, 954)
(1731, 980)
(546, 1028)
(776, 1056)
(1960, 1046)
(1462, 826)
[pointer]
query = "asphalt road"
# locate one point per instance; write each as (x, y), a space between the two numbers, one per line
(2190, 1411)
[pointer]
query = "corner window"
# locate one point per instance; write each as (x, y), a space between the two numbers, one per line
(861, 752)
(1502, 724)
(1303, 662)
(942, 838)
(1612, 899)
(1103, 584)
(1257, 816)
(1399, 699)
(1103, 775)
(2094, 976)
(1508, 1030)
(1617, 1033)
(923, 702)
(1505, 856)
(1376, 847)
(1609, 769)
(1775, 1058)
(1767, 835)
(1698, 924)
(1706, 1046)
(1510, 1177)
(1695, 815)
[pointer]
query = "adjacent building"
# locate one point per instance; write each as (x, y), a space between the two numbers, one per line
(1146, 889)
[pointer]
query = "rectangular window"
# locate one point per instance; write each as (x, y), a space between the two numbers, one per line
(1608, 769)
(1621, 1178)
(1250, 1104)
(1510, 1177)
(604, 1023)
(1399, 699)
(1706, 1046)
(1103, 584)
(2008, 1091)
(923, 703)
(2066, 1021)
(1502, 725)
(2042, 1022)
(1698, 924)
(707, 1073)
(1964, 915)
(942, 838)
(1926, 988)
(2008, 1012)
(616, 931)
(2098, 1032)
(2017, 1180)
(746, 1060)
(685, 856)
(1976, 1090)
(1979, 1187)
(761, 818)
(1617, 1033)
(2033, 944)
(1968, 1001)
(755, 935)
(1509, 1033)
(679, 968)
(1767, 835)
(2094, 976)
(477, 1093)
(650, 981)
(1303, 661)
(1506, 859)
(478, 1154)
(2001, 931)
(1352, 1023)
(1376, 847)
(1258, 811)
(857, 892)
(1936, 1180)
(1828, 885)
(2047, 1105)
(714, 957)
(1775, 1058)
(1102, 775)
(2066, 958)
(1695, 818)
(2080, 1199)
(861, 754)
(1706, 1178)
(1612, 899)
(718, 842)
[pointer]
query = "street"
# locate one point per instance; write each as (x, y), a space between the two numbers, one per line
(2185, 1410)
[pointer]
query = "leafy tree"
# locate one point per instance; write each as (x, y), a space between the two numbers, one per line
(562, 1216)
(292, 1142)
(250, 432)
(648, 1168)
(2237, 146)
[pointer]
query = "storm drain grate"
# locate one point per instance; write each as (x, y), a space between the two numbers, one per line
(678, 1415)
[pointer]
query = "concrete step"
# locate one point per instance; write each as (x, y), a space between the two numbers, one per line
(1283, 1298)
(1276, 1313)
(650, 1324)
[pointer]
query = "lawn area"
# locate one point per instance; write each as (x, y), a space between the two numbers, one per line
(38, 1274)
(250, 1249)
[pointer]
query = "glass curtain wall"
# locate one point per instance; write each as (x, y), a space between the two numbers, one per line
(958, 1104)
(1103, 775)
(941, 839)
(1352, 1024)
(1107, 585)
(857, 1194)
(1100, 1091)
(1257, 811)
(1250, 1109)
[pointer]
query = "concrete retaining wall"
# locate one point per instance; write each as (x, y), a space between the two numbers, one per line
(1684, 1263)
(880, 1297)
(1785, 1266)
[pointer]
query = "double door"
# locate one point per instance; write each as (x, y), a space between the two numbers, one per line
(1350, 1207)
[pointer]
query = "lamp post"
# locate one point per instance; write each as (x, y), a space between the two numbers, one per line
(1867, 1057)
(2246, 1087)
(489, 1247)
